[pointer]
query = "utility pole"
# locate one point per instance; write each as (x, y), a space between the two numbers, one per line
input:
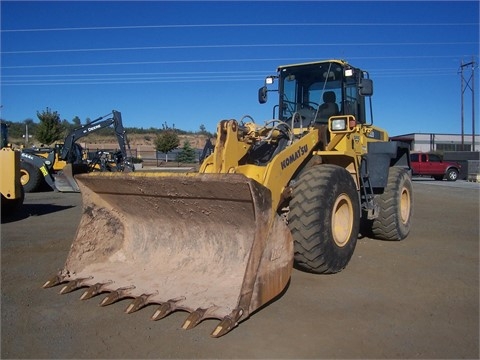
(461, 104)
(27, 136)
(464, 85)
(473, 105)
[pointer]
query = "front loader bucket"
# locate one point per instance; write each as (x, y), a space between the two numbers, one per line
(64, 179)
(209, 244)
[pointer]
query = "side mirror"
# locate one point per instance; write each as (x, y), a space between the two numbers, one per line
(262, 95)
(366, 87)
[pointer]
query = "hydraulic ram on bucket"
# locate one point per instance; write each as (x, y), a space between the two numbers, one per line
(210, 244)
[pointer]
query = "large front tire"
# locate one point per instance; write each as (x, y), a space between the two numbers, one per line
(30, 177)
(324, 219)
(396, 207)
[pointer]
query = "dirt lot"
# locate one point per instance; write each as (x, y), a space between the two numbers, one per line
(418, 298)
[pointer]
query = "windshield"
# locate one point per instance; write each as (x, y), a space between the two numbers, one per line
(316, 92)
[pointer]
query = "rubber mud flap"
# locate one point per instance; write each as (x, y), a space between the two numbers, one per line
(209, 244)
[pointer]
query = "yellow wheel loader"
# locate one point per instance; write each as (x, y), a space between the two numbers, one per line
(11, 189)
(222, 242)
(39, 165)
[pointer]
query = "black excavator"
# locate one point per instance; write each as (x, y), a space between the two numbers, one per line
(58, 166)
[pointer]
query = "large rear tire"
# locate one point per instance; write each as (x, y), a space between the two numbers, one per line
(324, 219)
(30, 177)
(396, 207)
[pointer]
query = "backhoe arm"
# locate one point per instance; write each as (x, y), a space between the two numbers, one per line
(95, 125)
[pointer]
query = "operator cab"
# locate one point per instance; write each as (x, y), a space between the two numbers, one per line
(311, 93)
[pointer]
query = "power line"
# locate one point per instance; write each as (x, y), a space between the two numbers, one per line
(142, 73)
(134, 81)
(196, 77)
(215, 73)
(233, 46)
(230, 25)
(219, 61)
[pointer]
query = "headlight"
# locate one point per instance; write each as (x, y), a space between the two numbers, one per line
(339, 124)
(269, 80)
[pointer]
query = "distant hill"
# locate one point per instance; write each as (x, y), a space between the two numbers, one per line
(136, 136)
(196, 141)
(94, 140)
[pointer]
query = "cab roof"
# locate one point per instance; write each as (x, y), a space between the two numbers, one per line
(340, 62)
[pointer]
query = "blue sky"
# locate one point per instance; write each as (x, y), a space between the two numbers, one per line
(192, 63)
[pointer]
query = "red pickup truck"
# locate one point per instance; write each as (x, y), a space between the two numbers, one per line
(426, 164)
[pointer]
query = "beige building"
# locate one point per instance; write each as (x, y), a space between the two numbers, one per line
(440, 142)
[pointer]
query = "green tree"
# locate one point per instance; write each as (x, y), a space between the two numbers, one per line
(67, 127)
(50, 128)
(167, 141)
(17, 130)
(76, 121)
(187, 155)
(203, 131)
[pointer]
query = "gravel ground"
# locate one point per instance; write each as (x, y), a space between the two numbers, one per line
(418, 298)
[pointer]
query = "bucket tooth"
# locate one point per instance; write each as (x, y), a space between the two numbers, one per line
(73, 285)
(163, 310)
(53, 281)
(166, 308)
(116, 295)
(194, 319)
(228, 323)
(138, 303)
(93, 290)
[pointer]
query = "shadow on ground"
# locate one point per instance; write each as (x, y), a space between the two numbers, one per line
(28, 210)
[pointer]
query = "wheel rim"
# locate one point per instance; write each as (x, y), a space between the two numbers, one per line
(342, 220)
(24, 177)
(405, 204)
